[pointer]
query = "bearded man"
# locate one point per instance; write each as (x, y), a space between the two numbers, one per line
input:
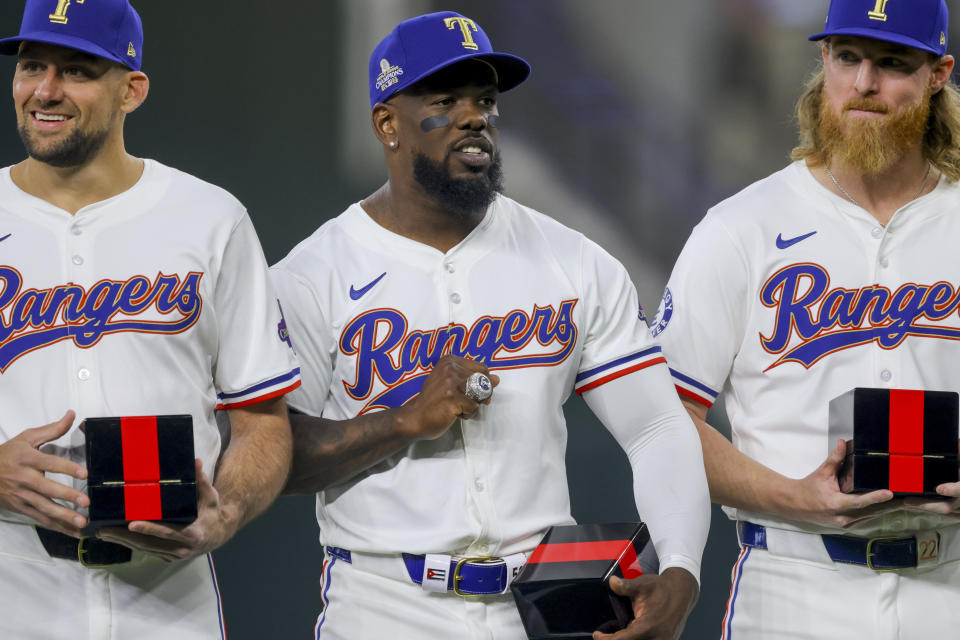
(432, 485)
(839, 271)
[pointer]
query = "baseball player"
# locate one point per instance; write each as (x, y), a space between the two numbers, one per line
(836, 272)
(409, 308)
(127, 288)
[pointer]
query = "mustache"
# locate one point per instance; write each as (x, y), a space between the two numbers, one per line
(865, 104)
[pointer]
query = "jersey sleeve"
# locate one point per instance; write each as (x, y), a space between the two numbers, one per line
(254, 359)
(616, 341)
(651, 425)
(701, 320)
(311, 339)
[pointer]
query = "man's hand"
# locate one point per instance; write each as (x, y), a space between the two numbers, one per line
(661, 604)
(817, 497)
(25, 489)
(950, 508)
(442, 399)
(327, 452)
(211, 529)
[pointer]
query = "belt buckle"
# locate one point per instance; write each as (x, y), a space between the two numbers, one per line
(456, 572)
(870, 554)
(82, 552)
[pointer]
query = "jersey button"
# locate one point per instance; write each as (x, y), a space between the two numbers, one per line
(877, 232)
(77, 260)
(84, 374)
(886, 375)
(484, 549)
(884, 262)
(455, 298)
(76, 231)
(450, 268)
(478, 484)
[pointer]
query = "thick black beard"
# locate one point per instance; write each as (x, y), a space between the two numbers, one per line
(461, 195)
(75, 150)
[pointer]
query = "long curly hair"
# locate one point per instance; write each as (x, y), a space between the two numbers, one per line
(941, 140)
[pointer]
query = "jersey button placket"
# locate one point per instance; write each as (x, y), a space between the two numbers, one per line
(77, 266)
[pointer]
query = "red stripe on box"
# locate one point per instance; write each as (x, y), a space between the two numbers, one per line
(906, 422)
(141, 468)
(141, 452)
(906, 473)
(628, 563)
(579, 551)
(141, 501)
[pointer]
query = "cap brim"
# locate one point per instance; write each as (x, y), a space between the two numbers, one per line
(10, 46)
(511, 70)
(877, 34)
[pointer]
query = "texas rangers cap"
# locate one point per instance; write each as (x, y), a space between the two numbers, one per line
(109, 29)
(921, 24)
(423, 45)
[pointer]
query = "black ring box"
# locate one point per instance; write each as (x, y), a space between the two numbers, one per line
(898, 439)
(140, 468)
(563, 590)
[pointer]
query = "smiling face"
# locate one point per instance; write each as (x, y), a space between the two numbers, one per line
(876, 101)
(68, 103)
(447, 126)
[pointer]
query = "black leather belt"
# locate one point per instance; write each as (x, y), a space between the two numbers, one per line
(880, 554)
(90, 552)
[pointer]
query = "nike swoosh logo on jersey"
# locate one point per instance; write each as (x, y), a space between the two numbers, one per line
(783, 244)
(5, 237)
(356, 294)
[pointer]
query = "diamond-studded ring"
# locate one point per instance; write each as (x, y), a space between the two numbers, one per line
(479, 387)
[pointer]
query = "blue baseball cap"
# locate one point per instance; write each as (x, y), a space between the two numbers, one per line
(108, 29)
(426, 44)
(921, 24)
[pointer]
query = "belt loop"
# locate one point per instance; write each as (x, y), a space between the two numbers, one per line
(515, 564)
(436, 570)
(931, 548)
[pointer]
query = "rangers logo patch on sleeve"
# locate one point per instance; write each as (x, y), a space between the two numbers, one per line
(664, 313)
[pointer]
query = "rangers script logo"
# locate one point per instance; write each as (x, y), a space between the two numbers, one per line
(387, 352)
(37, 318)
(829, 320)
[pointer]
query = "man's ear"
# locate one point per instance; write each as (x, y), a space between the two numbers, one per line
(942, 69)
(135, 92)
(384, 122)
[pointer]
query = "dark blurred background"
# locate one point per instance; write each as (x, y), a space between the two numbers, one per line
(638, 116)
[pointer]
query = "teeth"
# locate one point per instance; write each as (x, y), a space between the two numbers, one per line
(471, 149)
(49, 117)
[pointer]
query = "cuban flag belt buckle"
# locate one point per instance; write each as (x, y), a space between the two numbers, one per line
(563, 590)
(904, 440)
(140, 468)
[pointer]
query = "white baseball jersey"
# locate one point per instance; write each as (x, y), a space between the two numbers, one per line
(784, 297)
(787, 295)
(155, 301)
(544, 308)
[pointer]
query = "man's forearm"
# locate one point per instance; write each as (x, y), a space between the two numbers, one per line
(736, 479)
(256, 463)
(329, 451)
